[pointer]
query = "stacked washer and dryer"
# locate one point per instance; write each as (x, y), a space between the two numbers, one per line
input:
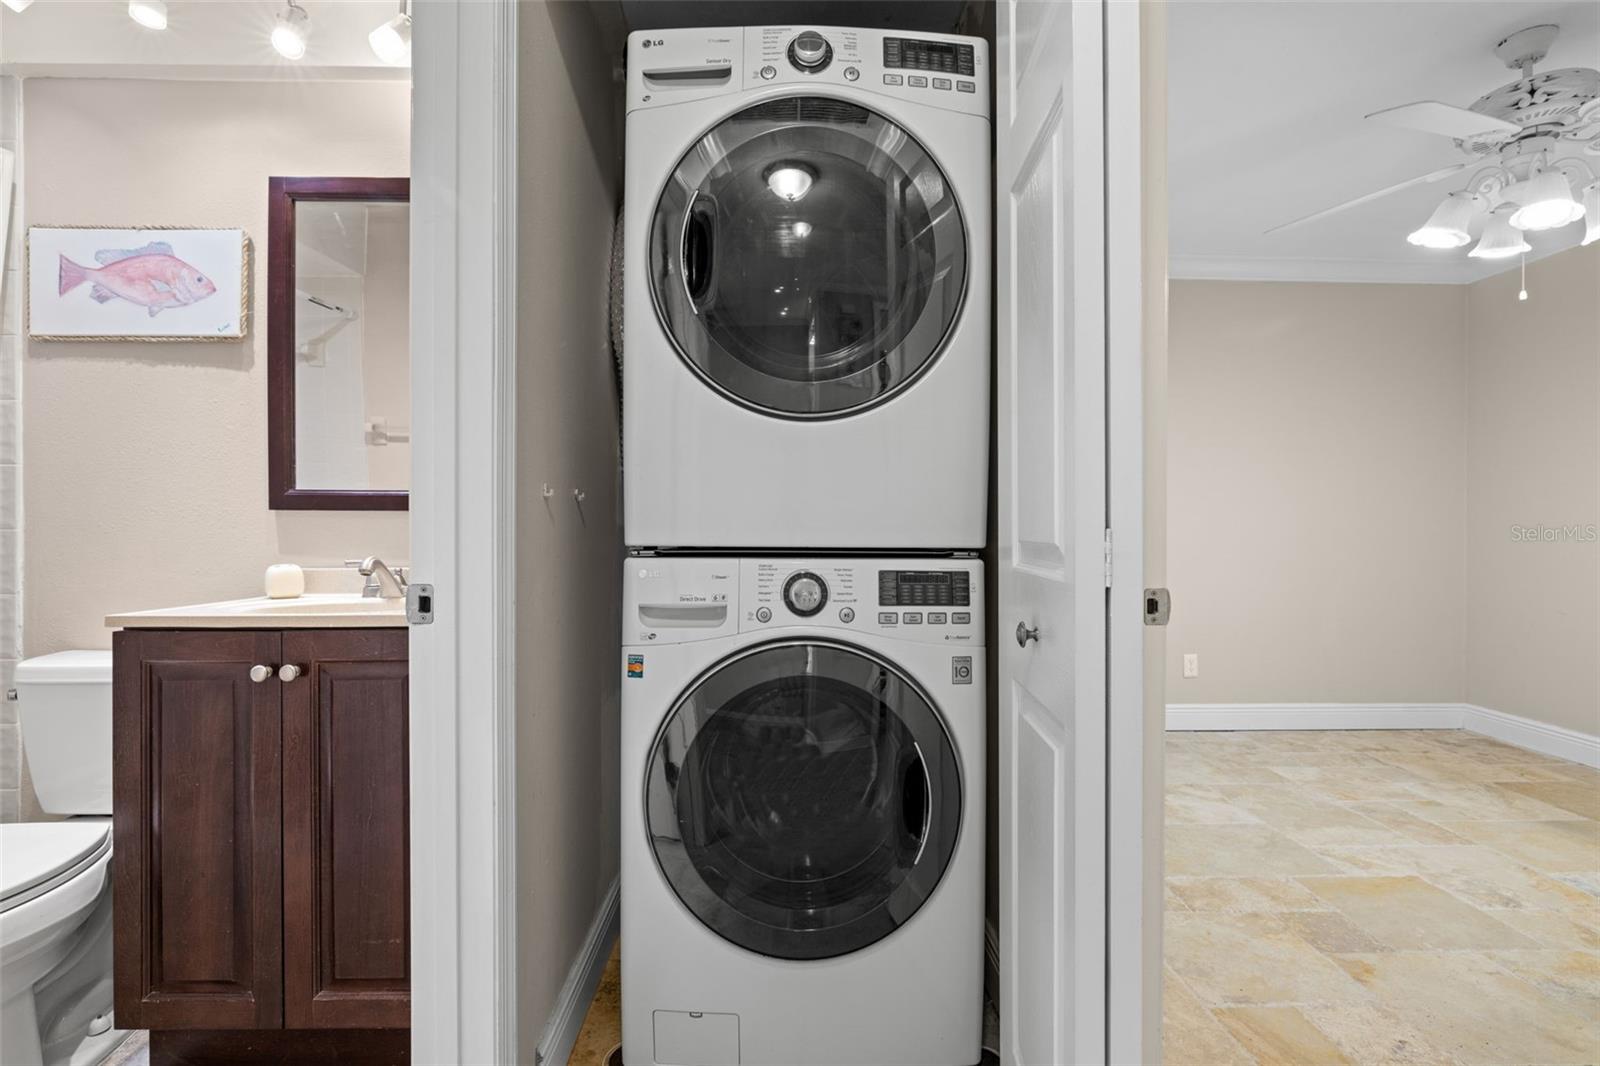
(806, 432)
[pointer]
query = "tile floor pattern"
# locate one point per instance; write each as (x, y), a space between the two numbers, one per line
(1379, 897)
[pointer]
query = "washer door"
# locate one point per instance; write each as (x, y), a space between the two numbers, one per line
(807, 257)
(803, 799)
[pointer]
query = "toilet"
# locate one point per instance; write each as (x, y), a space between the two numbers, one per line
(55, 877)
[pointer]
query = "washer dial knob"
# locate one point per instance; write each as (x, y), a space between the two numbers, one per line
(810, 52)
(805, 593)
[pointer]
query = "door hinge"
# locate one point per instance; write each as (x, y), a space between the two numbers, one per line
(1108, 558)
(419, 604)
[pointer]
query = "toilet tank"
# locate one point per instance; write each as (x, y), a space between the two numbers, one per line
(64, 707)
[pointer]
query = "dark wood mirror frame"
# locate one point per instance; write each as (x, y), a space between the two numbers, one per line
(284, 194)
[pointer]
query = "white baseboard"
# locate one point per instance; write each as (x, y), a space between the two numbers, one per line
(1209, 716)
(561, 1032)
(1510, 728)
(1545, 739)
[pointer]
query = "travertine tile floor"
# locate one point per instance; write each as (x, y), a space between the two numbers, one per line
(1379, 897)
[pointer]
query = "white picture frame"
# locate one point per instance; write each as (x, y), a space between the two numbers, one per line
(137, 283)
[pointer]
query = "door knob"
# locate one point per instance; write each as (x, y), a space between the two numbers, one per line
(259, 673)
(289, 671)
(1024, 634)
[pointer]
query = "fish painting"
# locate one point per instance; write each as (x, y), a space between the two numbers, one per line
(150, 277)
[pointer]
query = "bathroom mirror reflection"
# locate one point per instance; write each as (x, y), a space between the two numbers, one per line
(339, 343)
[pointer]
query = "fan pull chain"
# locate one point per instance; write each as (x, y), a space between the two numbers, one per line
(1522, 294)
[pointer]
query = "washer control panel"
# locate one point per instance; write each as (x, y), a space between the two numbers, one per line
(677, 599)
(667, 67)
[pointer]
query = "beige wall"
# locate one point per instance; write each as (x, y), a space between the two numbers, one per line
(1533, 455)
(146, 476)
(1316, 486)
(570, 555)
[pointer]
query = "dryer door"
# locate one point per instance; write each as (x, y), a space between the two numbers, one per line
(803, 799)
(808, 257)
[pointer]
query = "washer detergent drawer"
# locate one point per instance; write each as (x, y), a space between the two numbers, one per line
(696, 1038)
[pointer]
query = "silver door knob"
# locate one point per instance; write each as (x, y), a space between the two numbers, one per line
(1024, 634)
(289, 671)
(259, 673)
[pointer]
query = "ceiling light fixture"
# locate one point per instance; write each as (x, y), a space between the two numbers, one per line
(791, 181)
(1447, 226)
(391, 42)
(151, 14)
(1547, 203)
(1500, 240)
(292, 30)
(19, 6)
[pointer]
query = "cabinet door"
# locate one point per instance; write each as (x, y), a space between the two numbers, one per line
(197, 861)
(347, 906)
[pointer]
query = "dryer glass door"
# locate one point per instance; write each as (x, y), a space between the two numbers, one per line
(808, 257)
(803, 799)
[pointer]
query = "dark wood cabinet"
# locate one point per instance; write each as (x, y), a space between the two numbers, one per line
(261, 829)
(346, 925)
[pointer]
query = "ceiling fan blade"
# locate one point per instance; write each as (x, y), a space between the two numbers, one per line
(1430, 116)
(1434, 175)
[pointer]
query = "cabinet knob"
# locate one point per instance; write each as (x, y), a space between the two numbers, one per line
(289, 671)
(259, 673)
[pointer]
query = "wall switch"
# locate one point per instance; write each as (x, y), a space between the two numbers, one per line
(1191, 664)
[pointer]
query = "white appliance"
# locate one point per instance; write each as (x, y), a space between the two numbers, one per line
(55, 877)
(802, 816)
(806, 289)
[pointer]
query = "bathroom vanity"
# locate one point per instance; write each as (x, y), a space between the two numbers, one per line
(261, 834)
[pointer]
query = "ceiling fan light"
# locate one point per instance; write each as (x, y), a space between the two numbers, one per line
(1500, 240)
(1591, 211)
(1547, 203)
(1447, 226)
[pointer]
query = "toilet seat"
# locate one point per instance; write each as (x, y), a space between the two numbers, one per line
(38, 857)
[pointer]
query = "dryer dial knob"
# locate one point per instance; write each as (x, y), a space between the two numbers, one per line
(805, 593)
(810, 51)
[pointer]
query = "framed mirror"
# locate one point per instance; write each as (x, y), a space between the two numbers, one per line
(339, 343)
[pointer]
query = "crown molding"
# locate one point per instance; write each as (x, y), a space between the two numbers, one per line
(1458, 270)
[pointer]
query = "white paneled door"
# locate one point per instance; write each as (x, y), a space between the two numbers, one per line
(1051, 423)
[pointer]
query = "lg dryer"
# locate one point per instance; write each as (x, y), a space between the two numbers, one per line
(806, 288)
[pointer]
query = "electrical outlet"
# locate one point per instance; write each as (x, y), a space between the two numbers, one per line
(1191, 664)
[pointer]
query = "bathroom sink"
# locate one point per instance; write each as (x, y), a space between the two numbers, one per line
(313, 610)
(328, 603)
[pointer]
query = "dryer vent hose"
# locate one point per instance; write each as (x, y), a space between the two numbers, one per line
(616, 316)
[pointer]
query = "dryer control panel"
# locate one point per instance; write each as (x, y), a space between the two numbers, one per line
(942, 70)
(674, 599)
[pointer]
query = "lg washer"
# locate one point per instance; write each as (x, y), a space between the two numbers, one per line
(802, 816)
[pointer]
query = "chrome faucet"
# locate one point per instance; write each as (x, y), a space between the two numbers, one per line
(382, 582)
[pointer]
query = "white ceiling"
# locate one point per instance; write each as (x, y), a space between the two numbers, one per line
(1265, 125)
(204, 39)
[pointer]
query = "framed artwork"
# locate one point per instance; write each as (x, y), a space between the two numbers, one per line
(139, 284)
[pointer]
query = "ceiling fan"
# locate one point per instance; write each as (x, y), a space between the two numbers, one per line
(1527, 138)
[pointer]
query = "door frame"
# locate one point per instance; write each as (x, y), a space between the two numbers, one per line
(1133, 830)
(463, 671)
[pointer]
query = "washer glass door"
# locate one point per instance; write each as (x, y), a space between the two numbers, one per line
(803, 799)
(807, 257)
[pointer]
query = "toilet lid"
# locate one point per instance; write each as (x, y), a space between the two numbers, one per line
(35, 857)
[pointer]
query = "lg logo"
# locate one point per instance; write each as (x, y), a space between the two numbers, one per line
(657, 43)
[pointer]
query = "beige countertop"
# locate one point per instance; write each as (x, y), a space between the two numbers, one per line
(314, 610)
